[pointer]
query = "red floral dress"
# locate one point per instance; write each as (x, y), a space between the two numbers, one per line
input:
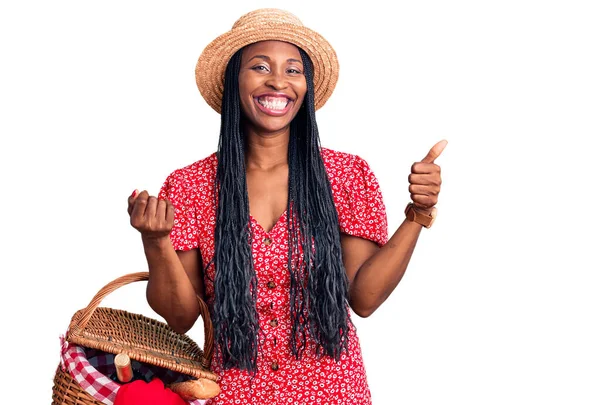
(281, 379)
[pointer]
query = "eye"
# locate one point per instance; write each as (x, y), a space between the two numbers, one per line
(294, 71)
(260, 68)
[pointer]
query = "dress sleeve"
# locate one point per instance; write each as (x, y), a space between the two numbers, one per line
(184, 235)
(363, 214)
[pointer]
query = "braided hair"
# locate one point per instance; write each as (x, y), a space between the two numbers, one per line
(318, 281)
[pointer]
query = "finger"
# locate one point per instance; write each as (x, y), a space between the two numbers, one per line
(423, 201)
(131, 200)
(422, 168)
(424, 179)
(152, 207)
(435, 152)
(139, 206)
(423, 190)
(170, 215)
(161, 210)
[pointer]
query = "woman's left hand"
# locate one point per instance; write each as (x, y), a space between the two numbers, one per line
(425, 180)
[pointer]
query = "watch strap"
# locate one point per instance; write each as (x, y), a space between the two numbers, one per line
(415, 216)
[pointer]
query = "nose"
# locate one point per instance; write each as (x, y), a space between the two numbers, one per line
(276, 81)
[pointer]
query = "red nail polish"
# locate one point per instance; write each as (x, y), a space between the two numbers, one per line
(134, 193)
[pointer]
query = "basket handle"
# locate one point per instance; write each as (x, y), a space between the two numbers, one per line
(143, 276)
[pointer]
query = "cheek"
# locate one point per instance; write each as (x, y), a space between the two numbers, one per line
(245, 99)
(244, 85)
(302, 91)
(246, 106)
(301, 98)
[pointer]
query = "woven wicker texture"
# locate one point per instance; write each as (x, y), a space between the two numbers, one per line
(141, 338)
(66, 391)
(264, 25)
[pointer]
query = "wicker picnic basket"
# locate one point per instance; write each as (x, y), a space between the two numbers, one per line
(143, 339)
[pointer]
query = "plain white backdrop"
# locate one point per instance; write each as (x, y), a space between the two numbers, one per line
(500, 303)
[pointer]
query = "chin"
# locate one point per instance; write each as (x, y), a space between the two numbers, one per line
(272, 124)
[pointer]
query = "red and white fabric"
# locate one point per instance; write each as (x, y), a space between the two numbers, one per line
(88, 367)
(281, 378)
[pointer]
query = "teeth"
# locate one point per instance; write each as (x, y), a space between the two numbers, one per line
(273, 103)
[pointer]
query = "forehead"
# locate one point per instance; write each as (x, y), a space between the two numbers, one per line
(272, 49)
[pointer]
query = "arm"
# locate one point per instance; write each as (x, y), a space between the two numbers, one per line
(375, 272)
(175, 277)
(175, 281)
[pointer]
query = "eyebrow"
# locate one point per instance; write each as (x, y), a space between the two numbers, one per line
(265, 57)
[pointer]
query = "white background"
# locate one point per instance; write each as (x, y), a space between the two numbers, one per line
(500, 304)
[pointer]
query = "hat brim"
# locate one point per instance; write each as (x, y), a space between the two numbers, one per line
(210, 69)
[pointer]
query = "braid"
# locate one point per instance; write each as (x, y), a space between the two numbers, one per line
(319, 285)
(318, 282)
(234, 314)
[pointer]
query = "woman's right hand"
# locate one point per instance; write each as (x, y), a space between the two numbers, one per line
(152, 217)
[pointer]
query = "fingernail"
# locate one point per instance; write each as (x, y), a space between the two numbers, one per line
(134, 192)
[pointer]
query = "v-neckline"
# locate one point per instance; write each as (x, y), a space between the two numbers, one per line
(280, 220)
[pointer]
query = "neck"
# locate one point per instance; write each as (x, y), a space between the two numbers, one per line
(266, 150)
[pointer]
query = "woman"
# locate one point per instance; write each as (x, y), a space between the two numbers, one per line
(280, 236)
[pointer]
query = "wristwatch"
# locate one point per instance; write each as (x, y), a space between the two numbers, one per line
(414, 216)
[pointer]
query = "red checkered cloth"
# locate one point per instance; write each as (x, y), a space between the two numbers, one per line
(90, 369)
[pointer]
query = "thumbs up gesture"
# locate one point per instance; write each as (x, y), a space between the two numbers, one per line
(425, 180)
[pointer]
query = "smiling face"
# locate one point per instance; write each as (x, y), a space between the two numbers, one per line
(272, 85)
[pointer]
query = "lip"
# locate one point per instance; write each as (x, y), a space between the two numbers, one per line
(274, 113)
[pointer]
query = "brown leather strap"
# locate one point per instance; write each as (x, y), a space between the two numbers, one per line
(419, 217)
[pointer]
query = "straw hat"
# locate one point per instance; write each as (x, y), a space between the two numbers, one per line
(263, 25)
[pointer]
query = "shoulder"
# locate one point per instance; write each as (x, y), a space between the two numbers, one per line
(192, 180)
(337, 158)
(201, 171)
(357, 196)
(337, 163)
(343, 165)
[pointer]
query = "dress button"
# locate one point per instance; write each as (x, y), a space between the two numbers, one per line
(271, 284)
(274, 322)
(267, 241)
(274, 366)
